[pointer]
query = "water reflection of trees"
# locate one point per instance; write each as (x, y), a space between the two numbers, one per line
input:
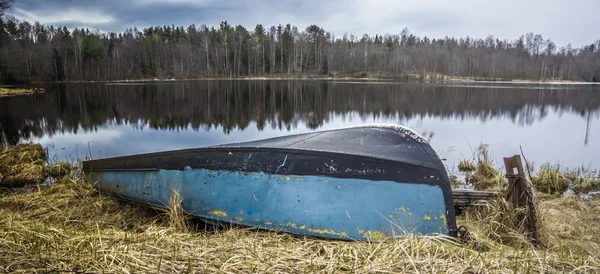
(280, 104)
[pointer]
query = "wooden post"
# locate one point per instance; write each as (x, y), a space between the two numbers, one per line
(520, 193)
(515, 180)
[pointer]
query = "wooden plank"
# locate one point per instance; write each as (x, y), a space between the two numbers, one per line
(465, 198)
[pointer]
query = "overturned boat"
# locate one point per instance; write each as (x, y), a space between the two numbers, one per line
(353, 183)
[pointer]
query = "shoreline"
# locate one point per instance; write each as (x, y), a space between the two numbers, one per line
(292, 78)
(367, 79)
(408, 78)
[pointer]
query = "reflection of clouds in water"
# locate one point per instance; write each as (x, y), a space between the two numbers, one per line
(556, 139)
(73, 146)
(82, 137)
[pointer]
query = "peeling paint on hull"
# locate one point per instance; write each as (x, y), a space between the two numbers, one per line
(305, 206)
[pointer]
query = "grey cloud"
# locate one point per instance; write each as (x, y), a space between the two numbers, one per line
(564, 22)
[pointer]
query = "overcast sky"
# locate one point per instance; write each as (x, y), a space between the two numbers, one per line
(564, 21)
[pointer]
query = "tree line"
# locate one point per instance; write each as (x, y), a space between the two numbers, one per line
(284, 105)
(35, 52)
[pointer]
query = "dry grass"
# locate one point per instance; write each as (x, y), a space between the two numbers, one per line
(26, 164)
(70, 226)
(481, 171)
(22, 164)
(59, 169)
(554, 181)
(568, 228)
(571, 225)
(496, 221)
(584, 184)
(550, 180)
(466, 166)
(486, 177)
(177, 218)
(6, 92)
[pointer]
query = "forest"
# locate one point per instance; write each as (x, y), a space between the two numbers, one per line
(33, 52)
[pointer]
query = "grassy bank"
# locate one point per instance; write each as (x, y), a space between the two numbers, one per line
(6, 92)
(69, 226)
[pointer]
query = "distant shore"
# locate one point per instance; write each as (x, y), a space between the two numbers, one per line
(408, 78)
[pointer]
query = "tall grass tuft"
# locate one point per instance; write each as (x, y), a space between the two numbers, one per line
(551, 180)
(22, 164)
(178, 220)
(498, 221)
(554, 181)
(485, 175)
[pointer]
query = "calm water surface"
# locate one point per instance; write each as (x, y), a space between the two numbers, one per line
(553, 123)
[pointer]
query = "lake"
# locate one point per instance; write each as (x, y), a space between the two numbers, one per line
(553, 123)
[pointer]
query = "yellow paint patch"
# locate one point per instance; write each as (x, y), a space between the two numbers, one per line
(401, 208)
(268, 223)
(339, 186)
(376, 235)
(410, 213)
(443, 217)
(287, 178)
(219, 212)
(361, 231)
(290, 224)
(426, 217)
(326, 180)
(303, 226)
(327, 231)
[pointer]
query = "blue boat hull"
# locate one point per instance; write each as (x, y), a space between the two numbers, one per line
(350, 184)
(322, 206)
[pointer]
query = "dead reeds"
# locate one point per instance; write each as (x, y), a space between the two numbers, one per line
(22, 164)
(480, 171)
(550, 180)
(177, 217)
(26, 164)
(554, 181)
(6, 92)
